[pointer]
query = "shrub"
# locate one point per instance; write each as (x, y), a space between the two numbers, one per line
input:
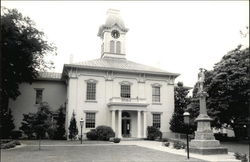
(16, 134)
(164, 140)
(6, 124)
(27, 125)
(51, 132)
(37, 123)
(73, 130)
(153, 133)
(166, 144)
(92, 135)
(240, 156)
(17, 142)
(179, 145)
(60, 123)
(104, 132)
(117, 140)
(10, 144)
(111, 139)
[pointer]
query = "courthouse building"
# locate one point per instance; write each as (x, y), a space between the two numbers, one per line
(111, 90)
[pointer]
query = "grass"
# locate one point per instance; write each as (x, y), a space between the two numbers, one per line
(85, 153)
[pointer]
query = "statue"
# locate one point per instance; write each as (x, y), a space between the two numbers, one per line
(201, 79)
(204, 142)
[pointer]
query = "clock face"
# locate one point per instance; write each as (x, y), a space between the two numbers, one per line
(115, 34)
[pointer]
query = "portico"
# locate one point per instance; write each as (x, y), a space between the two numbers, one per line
(129, 117)
(123, 128)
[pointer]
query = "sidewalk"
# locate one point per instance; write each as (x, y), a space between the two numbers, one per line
(158, 146)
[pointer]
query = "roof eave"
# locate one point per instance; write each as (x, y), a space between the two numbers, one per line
(120, 70)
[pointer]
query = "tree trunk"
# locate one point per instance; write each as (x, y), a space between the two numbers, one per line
(40, 142)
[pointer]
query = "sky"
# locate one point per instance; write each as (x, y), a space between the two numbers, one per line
(176, 36)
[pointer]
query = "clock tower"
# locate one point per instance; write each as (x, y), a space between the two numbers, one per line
(113, 34)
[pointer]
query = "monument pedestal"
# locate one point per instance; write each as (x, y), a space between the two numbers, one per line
(204, 142)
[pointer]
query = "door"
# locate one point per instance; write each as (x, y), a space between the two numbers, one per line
(126, 127)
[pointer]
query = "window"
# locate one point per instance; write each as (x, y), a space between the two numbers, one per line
(102, 48)
(90, 120)
(156, 94)
(39, 96)
(157, 120)
(125, 91)
(112, 46)
(91, 91)
(118, 47)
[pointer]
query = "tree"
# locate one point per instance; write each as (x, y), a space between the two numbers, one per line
(228, 88)
(27, 125)
(60, 122)
(37, 124)
(6, 125)
(73, 131)
(23, 49)
(181, 102)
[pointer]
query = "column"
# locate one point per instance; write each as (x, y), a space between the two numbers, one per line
(138, 124)
(113, 120)
(144, 124)
(119, 134)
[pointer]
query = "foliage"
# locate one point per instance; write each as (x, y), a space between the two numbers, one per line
(240, 156)
(10, 144)
(179, 145)
(228, 88)
(153, 133)
(23, 49)
(92, 135)
(16, 134)
(164, 140)
(51, 131)
(166, 144)
(117, 140)
(37, 124)
(42, 120)
(27, 125)
(60, 123)
(181, 102)
(104, 132)
(54, 128)
(73, 130)
(6, 124)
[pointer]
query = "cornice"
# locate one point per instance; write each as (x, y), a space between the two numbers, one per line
(174, 75)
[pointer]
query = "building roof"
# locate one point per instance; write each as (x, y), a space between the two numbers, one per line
(123, 65)
(49, 76)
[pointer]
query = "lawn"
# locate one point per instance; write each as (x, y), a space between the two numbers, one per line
(86, 153)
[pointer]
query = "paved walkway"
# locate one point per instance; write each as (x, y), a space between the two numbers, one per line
(158, 146)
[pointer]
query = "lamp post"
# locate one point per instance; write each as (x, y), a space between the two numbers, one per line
(186, 121)
(81, 123)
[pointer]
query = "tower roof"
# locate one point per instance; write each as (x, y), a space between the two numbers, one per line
(113, 18)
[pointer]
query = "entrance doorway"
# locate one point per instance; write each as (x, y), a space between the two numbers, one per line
(126, 124)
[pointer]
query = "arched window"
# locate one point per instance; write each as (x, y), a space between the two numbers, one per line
(112, 46)
(118, 47)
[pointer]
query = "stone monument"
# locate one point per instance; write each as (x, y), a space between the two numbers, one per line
(204, 141)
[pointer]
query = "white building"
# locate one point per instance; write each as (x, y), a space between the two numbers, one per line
(110, 91)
